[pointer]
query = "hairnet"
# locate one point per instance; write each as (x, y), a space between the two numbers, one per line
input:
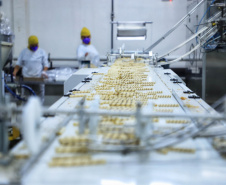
(85, 32)
(32, 40)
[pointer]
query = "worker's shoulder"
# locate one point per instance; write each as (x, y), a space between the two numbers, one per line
(42, 51)
(25, 50)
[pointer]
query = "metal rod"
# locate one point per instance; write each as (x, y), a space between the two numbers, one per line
(125, 113)
(185, 59)
(130, 52)
(2, 89)
(3, 137)
(219, 102)
(146, 55)
(211, 32)
(195, 48)
(179, 137)
(3, 130)
(66, 59)
(204, 72)
(130, 113)
(180, 58)
(217, 15)
(182, 44)
(174, 27)
(162, 143)
(128, 55)
(224, 105)
(132, 22)
(112, 27)
(215, 39)
(204, 77)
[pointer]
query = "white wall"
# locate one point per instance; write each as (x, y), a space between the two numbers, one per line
(163, 15)
(57, 23)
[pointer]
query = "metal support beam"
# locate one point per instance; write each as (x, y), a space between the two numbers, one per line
(2, 90)
(3, 131)
(112, 28)
(204, 69)
(204, 77)
(3, 137)
(225, 105)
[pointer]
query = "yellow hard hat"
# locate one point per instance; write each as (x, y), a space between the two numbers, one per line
(32, 40)
(85, 32)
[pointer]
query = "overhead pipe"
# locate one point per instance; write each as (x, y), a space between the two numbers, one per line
(182, 44)
(174, 27)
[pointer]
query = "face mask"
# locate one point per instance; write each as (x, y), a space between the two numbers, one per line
(34, 48)
(86, 40)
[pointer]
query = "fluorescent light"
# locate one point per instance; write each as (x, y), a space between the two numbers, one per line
(131, 31)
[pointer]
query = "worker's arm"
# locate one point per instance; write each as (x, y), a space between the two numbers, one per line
(81, 53)
(44, 74)
(16, 69)
(45, 65)
(19, 63)
(45, 68)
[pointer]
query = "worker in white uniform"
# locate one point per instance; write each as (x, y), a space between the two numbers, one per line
(34, 63)
(86, 51)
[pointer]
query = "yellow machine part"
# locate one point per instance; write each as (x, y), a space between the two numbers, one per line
(15, 134)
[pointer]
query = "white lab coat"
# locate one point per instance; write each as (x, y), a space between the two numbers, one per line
(32, 63)
(93, 54)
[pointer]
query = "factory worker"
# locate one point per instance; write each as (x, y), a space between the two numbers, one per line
(34, 64)
(86, 51)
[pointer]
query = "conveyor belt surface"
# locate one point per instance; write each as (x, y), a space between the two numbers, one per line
(193, 161)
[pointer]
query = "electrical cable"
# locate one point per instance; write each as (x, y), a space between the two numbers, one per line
(14, 94)
(28, 88)
(209, 41)
(191, 47)
(203, 18)
(17, 96)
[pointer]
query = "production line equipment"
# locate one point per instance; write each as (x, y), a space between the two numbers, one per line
(126, 124)
(207, 36)
(132, 122)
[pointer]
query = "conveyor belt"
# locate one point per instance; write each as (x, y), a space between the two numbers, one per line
(189, 162)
